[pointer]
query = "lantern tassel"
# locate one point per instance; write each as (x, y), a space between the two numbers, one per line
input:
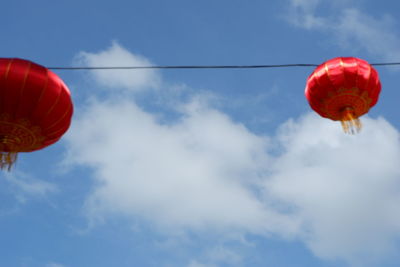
(7, 160)
(350, 123)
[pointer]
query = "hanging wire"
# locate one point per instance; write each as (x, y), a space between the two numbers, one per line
(187, 67)
(205, 66)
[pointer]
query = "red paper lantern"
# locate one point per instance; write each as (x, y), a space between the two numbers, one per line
(35, 108)
(343, 89)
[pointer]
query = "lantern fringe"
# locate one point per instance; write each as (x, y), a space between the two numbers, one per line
(350, 123)
(7, 160)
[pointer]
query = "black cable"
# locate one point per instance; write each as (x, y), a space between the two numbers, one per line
(206, 66)
(385, 64)
(187, 67)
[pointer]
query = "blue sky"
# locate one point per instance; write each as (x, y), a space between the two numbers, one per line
(204, 168)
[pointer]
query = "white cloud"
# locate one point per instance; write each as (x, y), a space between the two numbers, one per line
(345, 189)
(204, 171)
(195, 173)
(349, 26)
(128, 80)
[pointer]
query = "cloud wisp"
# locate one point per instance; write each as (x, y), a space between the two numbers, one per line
(25, 186)
(349, 26)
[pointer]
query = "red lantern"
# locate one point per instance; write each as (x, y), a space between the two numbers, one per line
(343, 89)
(35, 108)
